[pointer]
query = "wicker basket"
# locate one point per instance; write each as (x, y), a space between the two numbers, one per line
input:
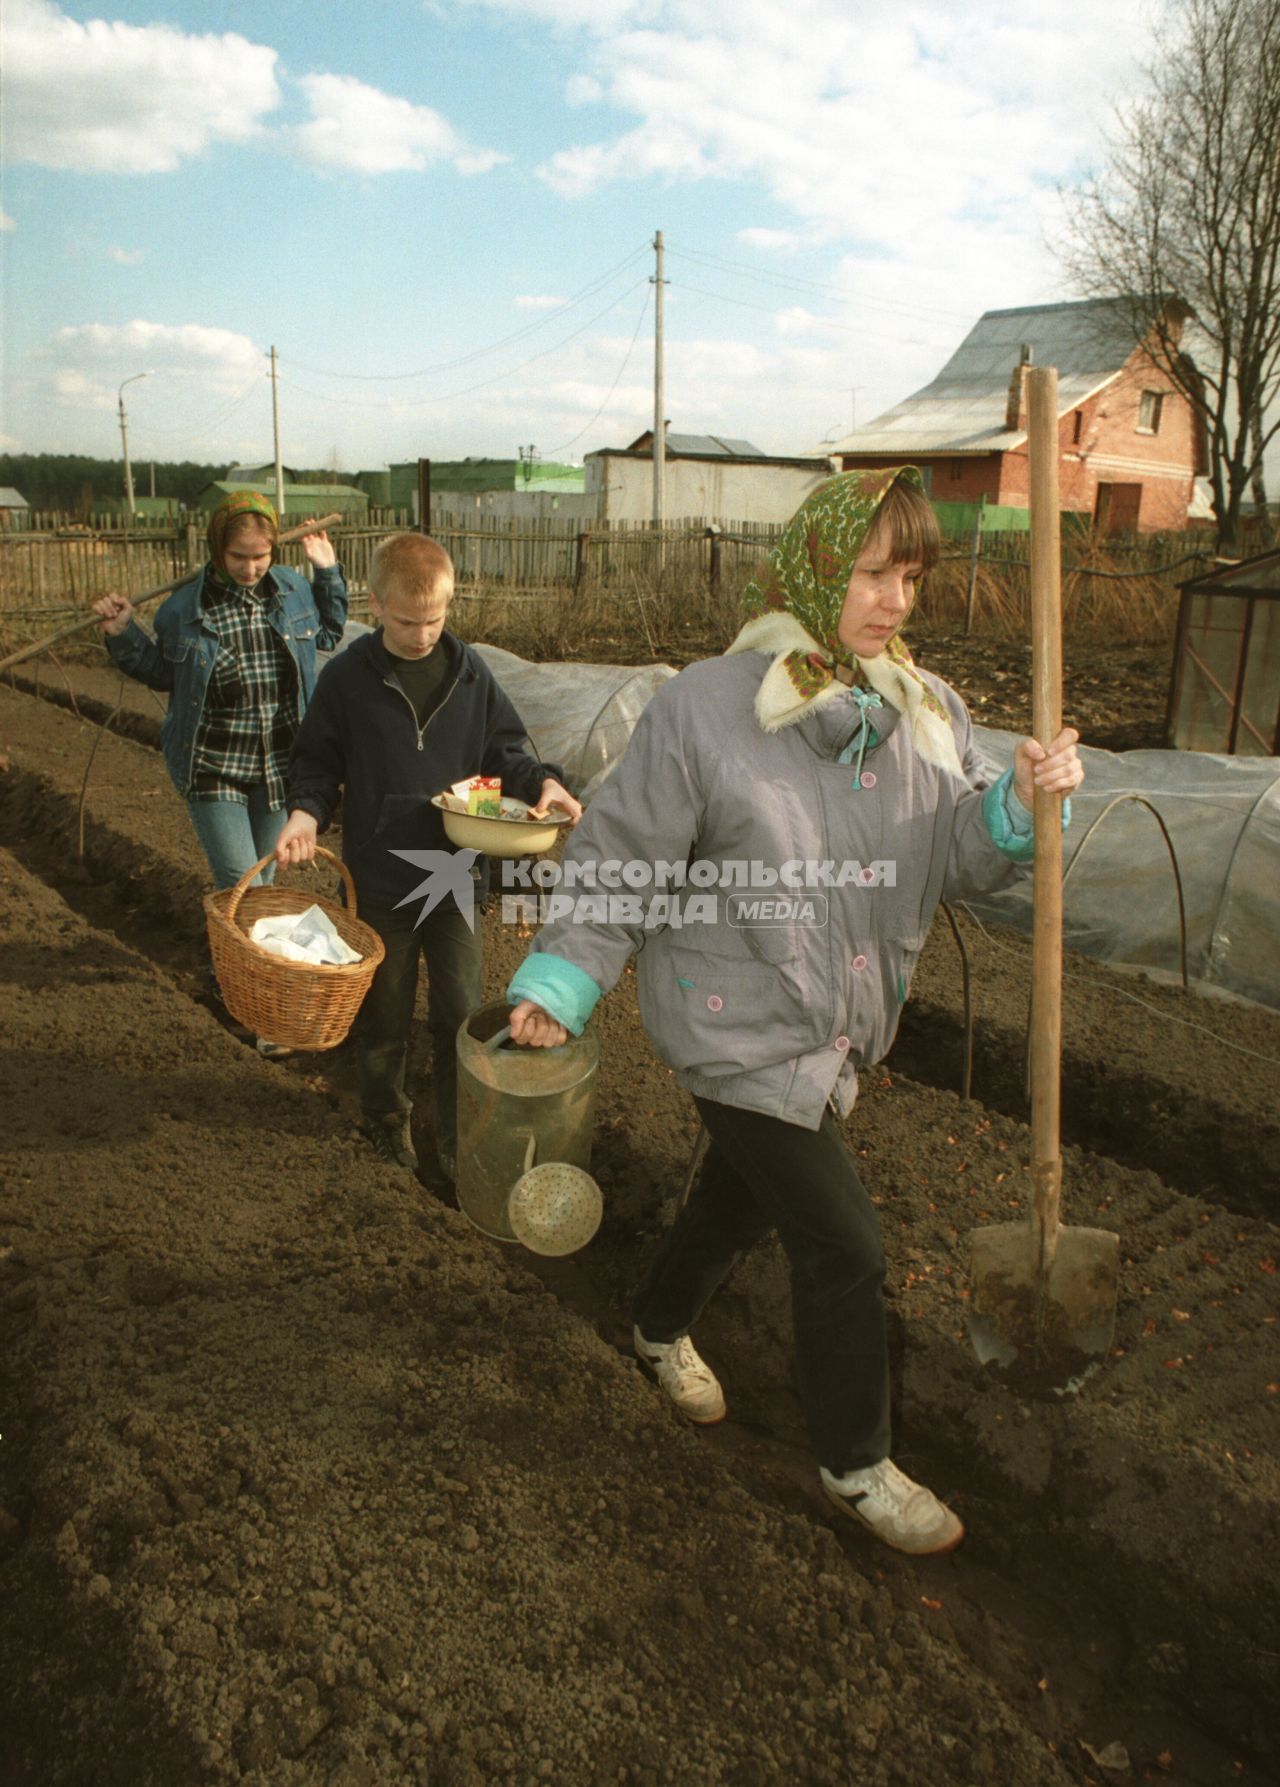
(305, 1005)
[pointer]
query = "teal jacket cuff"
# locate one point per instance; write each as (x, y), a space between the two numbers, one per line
(566, 993)
(1011, 827)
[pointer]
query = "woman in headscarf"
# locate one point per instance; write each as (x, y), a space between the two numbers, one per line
(815, 795)
(235, 648)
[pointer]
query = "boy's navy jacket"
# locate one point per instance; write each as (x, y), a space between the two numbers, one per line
(360, 737)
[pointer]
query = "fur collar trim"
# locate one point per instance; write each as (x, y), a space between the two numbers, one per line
(779, 704)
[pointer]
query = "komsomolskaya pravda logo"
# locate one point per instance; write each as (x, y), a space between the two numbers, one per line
(447, 872)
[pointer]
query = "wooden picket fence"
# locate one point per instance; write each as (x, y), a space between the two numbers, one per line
(52, 573)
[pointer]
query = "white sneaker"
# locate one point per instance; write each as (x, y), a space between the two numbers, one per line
(687, 1379)
(904, 1514)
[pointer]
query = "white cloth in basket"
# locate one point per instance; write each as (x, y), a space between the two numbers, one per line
(307, 936)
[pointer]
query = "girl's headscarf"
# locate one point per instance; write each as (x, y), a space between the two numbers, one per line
(796, 604)
(222, 523)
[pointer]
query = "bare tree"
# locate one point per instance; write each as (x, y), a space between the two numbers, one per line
(1182, 228)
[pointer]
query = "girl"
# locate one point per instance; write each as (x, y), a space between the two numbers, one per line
(812, 761)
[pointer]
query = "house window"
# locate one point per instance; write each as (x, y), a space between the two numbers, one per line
(956, 469)
(1149, 412)
(1077, 427)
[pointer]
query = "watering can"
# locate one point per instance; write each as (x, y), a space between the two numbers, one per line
(525, 1121)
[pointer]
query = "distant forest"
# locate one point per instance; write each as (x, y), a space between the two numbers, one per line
(72, 483)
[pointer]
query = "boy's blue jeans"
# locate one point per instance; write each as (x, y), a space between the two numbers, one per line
(234, 836)
(762, 1174)
(454, 956)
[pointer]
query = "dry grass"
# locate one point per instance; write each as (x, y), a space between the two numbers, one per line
(675, 617)
(629, 610)
(1104, 596)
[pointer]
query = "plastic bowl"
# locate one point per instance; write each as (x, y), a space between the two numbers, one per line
(515, 834)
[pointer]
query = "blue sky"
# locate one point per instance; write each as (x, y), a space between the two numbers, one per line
(441, 212)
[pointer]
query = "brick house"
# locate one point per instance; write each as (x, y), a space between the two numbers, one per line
(1130, 445)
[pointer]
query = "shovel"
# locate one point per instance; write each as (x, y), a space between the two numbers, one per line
(1042, 1296)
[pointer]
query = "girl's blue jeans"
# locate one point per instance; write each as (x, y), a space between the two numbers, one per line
(234, 835)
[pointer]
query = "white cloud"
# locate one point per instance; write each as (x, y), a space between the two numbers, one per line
(111, 97)
(530, 301)
(796, 320)
(193, 364)
(361, 129)
(771, 241)
(126, 257)
(6, 223)
(922, 140)
(82, 392)
(208, 395)
(196, 343)
(876, 127)
(602, 16)
(583, 89)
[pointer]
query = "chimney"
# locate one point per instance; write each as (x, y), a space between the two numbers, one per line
(1015, 402)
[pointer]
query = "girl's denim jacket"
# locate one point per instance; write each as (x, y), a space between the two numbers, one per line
(309, 617)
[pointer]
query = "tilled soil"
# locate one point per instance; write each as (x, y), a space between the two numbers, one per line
(304, 1480)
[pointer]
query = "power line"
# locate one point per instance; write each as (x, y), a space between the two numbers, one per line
(449, 396)
(580, 297)
(626, 359)
(840, 328)
(799, 283)
(214, 420)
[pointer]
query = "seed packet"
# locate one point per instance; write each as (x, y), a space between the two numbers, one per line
(484, 797)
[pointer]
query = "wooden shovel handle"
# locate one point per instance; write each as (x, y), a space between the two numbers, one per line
(164, 589)
(1046, 703)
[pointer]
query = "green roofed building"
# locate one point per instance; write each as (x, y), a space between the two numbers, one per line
(397, 487)
(145, 508)
(300, 500)
(474, 476)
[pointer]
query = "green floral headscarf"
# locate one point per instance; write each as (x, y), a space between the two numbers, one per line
(222, 521)
(795, 606)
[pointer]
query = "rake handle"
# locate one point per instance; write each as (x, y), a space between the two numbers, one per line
(88, 620)
(1046, 705)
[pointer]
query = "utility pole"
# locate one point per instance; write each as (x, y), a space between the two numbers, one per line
(659, 397)
(124, 442)
(853, 407)
(275, 425)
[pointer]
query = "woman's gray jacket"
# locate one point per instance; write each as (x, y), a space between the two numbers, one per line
(783, 963)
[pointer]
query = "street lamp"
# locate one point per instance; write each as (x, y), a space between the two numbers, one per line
(124, 440)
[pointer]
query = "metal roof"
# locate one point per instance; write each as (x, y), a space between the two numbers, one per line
(698, 446)
(249, 474)
(712, 446)
(963, 409)
(12, 499)
(1250, 576)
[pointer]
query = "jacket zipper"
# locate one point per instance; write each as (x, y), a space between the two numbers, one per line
(391, 683)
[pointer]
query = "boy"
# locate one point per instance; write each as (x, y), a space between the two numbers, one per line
(400, 715)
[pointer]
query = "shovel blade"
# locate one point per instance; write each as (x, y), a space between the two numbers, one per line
(1045, 1329)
